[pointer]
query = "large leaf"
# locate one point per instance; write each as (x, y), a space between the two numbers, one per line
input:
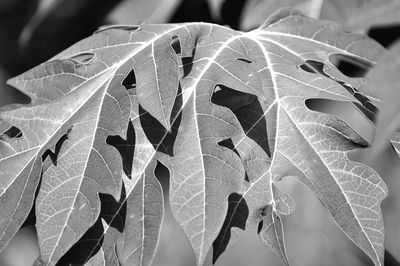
(224, 110)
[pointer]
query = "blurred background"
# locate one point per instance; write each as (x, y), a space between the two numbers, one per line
(33, 31)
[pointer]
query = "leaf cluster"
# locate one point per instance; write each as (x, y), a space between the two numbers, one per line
(224, 110)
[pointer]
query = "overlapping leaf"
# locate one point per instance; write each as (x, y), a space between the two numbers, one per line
(226, 109)
(356, 15)
(385, 77)
(377, 13)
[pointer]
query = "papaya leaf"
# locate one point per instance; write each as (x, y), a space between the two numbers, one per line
(224, 110)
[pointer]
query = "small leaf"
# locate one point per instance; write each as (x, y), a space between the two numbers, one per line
(158, 79)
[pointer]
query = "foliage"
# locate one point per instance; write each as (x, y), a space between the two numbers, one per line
(385, 77)
(355, 15)
(224, 110)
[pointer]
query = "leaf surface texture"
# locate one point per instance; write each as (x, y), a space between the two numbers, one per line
(224, 110)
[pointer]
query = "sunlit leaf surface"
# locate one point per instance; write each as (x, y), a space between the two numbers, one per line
(224, 110)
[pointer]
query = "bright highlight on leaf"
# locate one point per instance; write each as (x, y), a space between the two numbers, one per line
(224, 110)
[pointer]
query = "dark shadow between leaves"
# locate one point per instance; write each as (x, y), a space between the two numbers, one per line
(187, 65)
(347, 112)
(161, 139)
(312, 66)
(365, 105)
(86, 247)
(237, 215)
(390, 260)
(228, 143)
(232, 99)
(176, 44)
(11, 133)
(263, 212)
(126, 148)
(54, 155)
(231, 12)
(129, 81)
(191, 11)
(114, 213)
(12, 97)
(350, 66)
(385, 35)
(260, 226)
(162, 174)
(248, 112)
(31, 218)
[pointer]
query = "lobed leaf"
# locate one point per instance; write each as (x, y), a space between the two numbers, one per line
(224, 110)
